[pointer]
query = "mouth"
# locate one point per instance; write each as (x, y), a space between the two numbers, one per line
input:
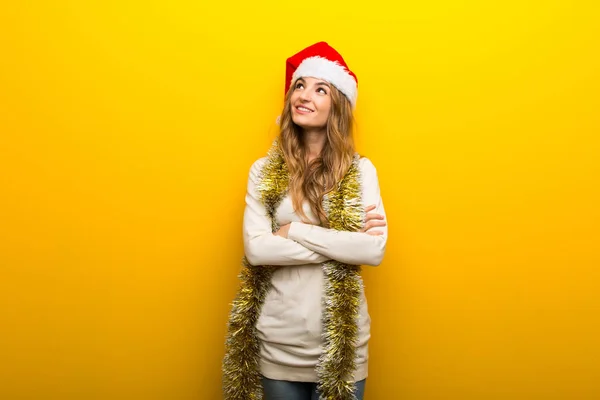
(303, 110)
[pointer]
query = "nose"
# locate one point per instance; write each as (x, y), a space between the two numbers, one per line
(305, 95)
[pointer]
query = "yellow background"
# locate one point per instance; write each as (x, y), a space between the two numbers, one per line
(127, 129)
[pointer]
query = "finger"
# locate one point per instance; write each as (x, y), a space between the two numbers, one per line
(373, 216)
(375, 233)
(369, 208)
(374, 224)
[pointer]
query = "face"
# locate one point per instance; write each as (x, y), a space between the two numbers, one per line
(310, 103)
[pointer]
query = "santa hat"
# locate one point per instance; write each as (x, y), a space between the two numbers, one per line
(322, 61)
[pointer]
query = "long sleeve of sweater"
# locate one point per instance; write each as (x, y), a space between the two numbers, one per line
(260, 245)
(356, 248)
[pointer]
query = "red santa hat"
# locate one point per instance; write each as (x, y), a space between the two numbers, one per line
(322, 61)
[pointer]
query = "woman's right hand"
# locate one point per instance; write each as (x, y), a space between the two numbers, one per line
(372, 220)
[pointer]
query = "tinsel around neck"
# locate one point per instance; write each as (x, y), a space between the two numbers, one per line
(341, 298)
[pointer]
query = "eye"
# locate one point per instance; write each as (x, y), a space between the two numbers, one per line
(299, 85)
(322, 90)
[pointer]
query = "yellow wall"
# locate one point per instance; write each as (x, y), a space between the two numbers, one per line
(127, 129)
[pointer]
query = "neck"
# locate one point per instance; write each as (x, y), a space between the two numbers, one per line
(314, 140)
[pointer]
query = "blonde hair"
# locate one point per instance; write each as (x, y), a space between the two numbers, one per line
(310, 181)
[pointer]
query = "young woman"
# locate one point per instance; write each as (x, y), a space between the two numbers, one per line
(299, 326)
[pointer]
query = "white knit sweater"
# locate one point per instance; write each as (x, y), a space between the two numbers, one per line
(290, 323)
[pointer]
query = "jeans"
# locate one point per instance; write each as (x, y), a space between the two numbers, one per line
(286, 390)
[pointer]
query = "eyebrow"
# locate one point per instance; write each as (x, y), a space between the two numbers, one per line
(318, 83)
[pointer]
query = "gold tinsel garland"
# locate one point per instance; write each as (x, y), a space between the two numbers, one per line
(341, 300)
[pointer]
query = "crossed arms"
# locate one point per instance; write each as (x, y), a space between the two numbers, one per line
(311, 244)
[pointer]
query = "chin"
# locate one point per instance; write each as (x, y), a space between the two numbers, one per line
(299, 121)
(303, 126)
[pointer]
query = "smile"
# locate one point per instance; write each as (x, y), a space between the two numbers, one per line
(303, 110)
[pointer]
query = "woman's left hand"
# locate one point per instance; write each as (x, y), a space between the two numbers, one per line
(372, 220)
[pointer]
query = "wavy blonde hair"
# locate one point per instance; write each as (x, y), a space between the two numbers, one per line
(310, 181)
